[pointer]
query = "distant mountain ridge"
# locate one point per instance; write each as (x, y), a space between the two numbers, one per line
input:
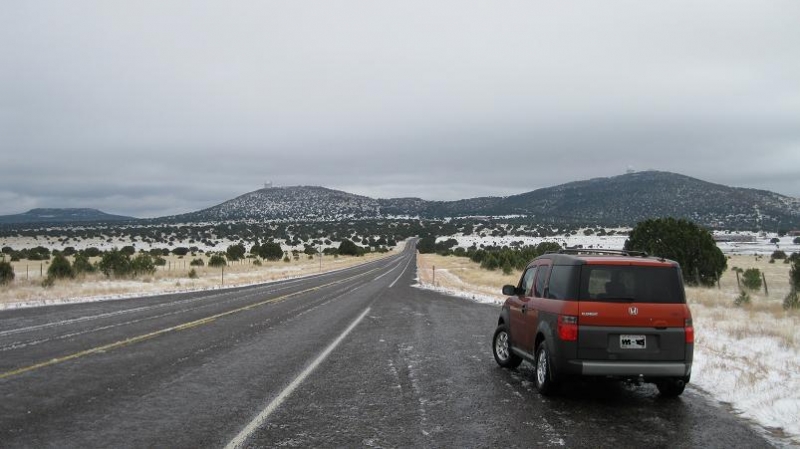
(57, 216)
(630, 198)
(620, 200)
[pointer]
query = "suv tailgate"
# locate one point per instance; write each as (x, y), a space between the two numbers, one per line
(631, 331)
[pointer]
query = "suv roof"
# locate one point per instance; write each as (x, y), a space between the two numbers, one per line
(604, 256)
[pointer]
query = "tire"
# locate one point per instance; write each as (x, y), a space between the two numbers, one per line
(501, 348)
(671, 388)
(543, 375)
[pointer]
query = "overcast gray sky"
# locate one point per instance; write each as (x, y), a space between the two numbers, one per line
(150, 108)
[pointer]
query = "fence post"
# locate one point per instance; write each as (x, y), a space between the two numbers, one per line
(738, 283)
(764, 278)
(434, 275)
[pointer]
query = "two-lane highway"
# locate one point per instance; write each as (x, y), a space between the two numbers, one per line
(357, 358)
(180, 370)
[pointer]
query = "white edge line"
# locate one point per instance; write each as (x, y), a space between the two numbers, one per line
(390, 270)
(401, 273)
(239, 440)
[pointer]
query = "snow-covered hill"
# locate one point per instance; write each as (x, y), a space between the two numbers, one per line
(616, 201)
(300, 203)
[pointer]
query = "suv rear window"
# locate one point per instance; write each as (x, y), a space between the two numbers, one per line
(631, 283)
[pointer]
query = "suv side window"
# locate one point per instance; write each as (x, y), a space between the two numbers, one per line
(563, 282)
(527, 280)
(541, 280)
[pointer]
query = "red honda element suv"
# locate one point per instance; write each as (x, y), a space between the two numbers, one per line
(599, 313)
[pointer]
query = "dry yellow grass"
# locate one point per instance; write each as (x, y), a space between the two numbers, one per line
(764, 316)
(27, 285)
(462, 274)
(719, 300)
(777, 274)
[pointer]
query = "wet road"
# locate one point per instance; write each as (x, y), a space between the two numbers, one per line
(358, 358)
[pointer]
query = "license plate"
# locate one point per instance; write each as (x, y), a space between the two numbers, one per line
(632, 342)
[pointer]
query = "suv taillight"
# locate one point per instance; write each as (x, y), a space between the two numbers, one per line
(687, 327)
(568, 327)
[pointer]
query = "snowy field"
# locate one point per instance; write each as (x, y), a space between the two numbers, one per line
(742, 360)
(760, 244)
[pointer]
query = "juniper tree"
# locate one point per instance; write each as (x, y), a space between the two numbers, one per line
(6, 272)
(60, 268)
(684, 242)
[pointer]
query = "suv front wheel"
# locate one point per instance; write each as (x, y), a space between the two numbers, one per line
(501, 348)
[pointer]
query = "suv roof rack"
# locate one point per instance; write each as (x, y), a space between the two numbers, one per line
(600, 252)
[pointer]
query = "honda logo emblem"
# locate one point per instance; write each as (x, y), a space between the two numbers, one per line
(633, 310)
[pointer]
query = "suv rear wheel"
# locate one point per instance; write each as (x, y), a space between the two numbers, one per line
(501, 348)
(543, 374)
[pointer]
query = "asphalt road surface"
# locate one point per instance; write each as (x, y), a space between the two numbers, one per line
(356, 358)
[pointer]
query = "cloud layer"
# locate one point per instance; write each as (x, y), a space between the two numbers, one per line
(148, 109)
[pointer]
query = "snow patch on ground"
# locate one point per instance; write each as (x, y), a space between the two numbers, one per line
(757, 243)
(590, 241)
(760, 243)
(758, 376)
(477, 297)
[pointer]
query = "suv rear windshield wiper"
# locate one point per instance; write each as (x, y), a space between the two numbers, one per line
(616, 299)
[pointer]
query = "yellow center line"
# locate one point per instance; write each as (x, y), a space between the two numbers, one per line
(179, 327)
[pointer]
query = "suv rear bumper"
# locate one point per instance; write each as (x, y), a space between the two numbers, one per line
(627, 368)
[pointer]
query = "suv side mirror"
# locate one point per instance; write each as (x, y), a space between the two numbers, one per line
(510, 290)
